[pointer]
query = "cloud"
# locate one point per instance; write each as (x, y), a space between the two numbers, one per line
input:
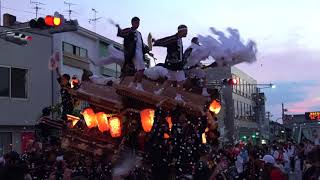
(286, 64)
(298, 98)
(310, 103)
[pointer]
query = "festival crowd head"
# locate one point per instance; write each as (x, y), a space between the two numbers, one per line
(195, 40)
(65, 79)
(135, 22)
(182, 31)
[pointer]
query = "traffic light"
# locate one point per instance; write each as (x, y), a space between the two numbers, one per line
(17, 38)
(54, 24)
(71, 25)
(230, 82)
(45, 23)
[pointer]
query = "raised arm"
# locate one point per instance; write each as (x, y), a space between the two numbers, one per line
(164, 42)
(146, 49)
(123, 32)
(58, 72)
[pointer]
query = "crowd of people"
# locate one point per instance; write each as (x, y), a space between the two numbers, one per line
(160, 160)
(177, 152)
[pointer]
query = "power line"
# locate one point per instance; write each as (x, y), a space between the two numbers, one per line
(37, 7)
(95, 19)
(69, 8)
(0, 13)
(13, 9)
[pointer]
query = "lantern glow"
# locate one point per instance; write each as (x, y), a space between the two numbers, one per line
(74, 82)
(147, 119)
(115, 127)
(73, 119)
(166, 136)
(215, 107)
(204, 139)
(102, 120)
(90, 118)
(169, 121)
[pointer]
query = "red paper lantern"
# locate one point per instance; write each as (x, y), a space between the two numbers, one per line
(215, 107)
(115, 127)
(102, 120)
(73, 119)
(90, 118)
(147, 118)
(169, 121)
(166, 136)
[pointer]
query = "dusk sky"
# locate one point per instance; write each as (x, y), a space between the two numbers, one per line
(287, 33)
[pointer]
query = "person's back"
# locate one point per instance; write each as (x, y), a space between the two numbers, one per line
(13, 171)
(277, 174)
(313, 172)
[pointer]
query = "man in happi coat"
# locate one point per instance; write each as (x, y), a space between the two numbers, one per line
(193, 56)
(174, 60)
(134, 50)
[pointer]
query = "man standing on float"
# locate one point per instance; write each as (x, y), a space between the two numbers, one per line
(174, 60)
(193, 65)
(134, 50)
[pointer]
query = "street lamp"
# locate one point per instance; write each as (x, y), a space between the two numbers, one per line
(278, 119)
(265, 86)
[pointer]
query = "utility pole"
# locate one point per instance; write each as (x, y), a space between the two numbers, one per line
(94, 19)
(0, 13)
(283, 110)
(69, 8)
(37, 8)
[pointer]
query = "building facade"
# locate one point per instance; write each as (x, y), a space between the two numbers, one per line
(278, 132)
(240, 104)
(27, 85)
(78, 49)
(25, 88)
(302, 127)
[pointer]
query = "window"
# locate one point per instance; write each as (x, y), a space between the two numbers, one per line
(5, 82)
(67, 47)
(75, 50)
(14, 82)
(235, 107)
(83, 52)
(5, 142)
(234, 88)
(111, 70)
(243, 88)
(247, 109)
(18, 83)
(246, 89)
(238, 108)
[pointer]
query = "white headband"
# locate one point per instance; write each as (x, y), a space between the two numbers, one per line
(184, 28)
(59, 158)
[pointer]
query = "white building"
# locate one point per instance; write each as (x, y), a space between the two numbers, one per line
(239, 109)
(27, 86)
(79, 48)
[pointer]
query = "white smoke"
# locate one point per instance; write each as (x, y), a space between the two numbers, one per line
(156, 72)
(114, 56)
(129, 162)
(229, 49)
